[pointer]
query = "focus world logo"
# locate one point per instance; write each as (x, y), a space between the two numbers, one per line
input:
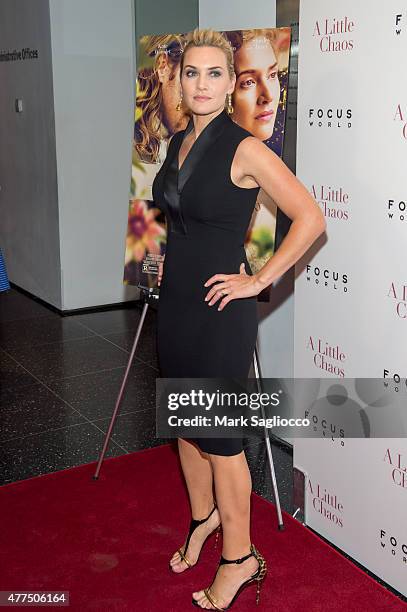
(399, 21)
(326, 428)
(327, 278)
(335, 118)
(393, 544)
(394, 381)
(396, 209)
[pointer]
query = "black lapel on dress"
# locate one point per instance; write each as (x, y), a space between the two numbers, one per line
(205, 140)
(170, 186)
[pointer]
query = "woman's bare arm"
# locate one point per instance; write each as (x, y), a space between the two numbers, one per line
(257, 166)
(264, 168)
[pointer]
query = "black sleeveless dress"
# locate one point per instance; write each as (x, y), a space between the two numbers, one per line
(207, 220)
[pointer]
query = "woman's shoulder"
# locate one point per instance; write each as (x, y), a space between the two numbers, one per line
(240, 133)
(242, 138)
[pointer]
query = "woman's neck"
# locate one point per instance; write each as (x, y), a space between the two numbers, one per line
(201, 121)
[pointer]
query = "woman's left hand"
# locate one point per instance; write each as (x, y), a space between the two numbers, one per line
(231, 287)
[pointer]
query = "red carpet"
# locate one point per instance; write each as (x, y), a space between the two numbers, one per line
(108, 542)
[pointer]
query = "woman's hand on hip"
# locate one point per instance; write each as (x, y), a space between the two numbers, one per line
(231, 287)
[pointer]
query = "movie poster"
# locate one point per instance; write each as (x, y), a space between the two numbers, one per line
(261, 59)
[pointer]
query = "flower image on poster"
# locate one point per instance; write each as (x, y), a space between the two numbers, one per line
(261, 59)
(145, 241)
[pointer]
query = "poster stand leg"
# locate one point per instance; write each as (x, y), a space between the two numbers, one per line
(148, 296)
(257, 373)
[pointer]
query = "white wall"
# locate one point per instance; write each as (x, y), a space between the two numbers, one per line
(28, 187)
(93, 72)
(350, 327)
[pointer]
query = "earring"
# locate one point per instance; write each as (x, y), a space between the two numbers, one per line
(178, 107)
(229, 108)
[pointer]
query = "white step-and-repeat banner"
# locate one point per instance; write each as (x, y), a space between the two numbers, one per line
(351, 294)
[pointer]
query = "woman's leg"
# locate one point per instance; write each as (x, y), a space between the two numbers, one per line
(197, 470)
(233, 485)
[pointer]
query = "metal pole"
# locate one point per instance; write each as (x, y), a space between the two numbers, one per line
(120, 396)
(257, 372)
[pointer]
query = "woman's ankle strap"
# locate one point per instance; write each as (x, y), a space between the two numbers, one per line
(223, 560)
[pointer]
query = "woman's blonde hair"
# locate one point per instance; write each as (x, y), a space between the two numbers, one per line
(149, 129)
(210, 38)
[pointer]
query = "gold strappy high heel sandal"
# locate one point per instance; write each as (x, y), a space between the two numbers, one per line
(258, 577)
(193, 525)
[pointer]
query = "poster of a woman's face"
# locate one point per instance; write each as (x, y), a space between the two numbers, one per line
(257, 91)
(261, 65)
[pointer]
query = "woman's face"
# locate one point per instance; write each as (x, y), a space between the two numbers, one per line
(257, 91)
(205, 80)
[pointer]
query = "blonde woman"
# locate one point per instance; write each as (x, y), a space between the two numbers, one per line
(207, 313)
